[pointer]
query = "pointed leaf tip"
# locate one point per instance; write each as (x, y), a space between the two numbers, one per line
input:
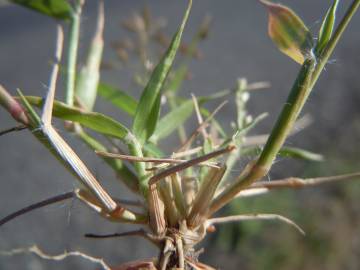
(288, 31)
(327, 27)
(148, 109)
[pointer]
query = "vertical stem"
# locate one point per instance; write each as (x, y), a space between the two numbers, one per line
(301, 89)
(240, 100)
(295, 102)
(72, 52)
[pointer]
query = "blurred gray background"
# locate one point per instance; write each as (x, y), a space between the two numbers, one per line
(238, 46)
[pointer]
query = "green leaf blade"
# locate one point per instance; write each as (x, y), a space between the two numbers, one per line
(148, 109)
(171, 121)
(58, 9)
(118, 98)
(177, 80)
(327, 28)
(298, 153)
(96, 121)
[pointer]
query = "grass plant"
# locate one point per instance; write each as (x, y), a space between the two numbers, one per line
(179, 193)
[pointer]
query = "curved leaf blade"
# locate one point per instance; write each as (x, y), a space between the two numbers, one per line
(118, 98)
(147, 111)
(288, 32)
(58, 9)
(171, 121)
(96, 121)
(294, 152)
(288, 152)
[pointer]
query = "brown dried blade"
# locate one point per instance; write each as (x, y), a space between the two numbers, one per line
(61, 147)
(196, 132)
(32, 207)
(199, 117)
(190, 163)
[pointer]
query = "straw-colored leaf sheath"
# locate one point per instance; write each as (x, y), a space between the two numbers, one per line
(59, 146)
(88, 79)
(288, 32)
(148, 109)
(205, 195)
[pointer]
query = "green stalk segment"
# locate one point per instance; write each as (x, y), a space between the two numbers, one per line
(306, 79)
(72, 52)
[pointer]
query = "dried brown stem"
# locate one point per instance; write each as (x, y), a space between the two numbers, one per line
(141, 232)
(196, 132)
(60, 257)
(27, 209)
(146, 159)
(189, 152)
(199, 117)
(295, 182)
(190, 163)
(9, 130)
(246, 217)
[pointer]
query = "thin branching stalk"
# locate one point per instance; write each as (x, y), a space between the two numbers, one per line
(295, 182)
(32, 207)
(190, 163)
(246, 217)
(59, 257)
(9, 130)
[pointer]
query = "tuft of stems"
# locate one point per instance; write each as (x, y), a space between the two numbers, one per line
(180, 191)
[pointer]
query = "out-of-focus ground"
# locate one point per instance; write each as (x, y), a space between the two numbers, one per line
(238, 46)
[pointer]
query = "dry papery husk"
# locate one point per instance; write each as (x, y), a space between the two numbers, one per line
(149, 264)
